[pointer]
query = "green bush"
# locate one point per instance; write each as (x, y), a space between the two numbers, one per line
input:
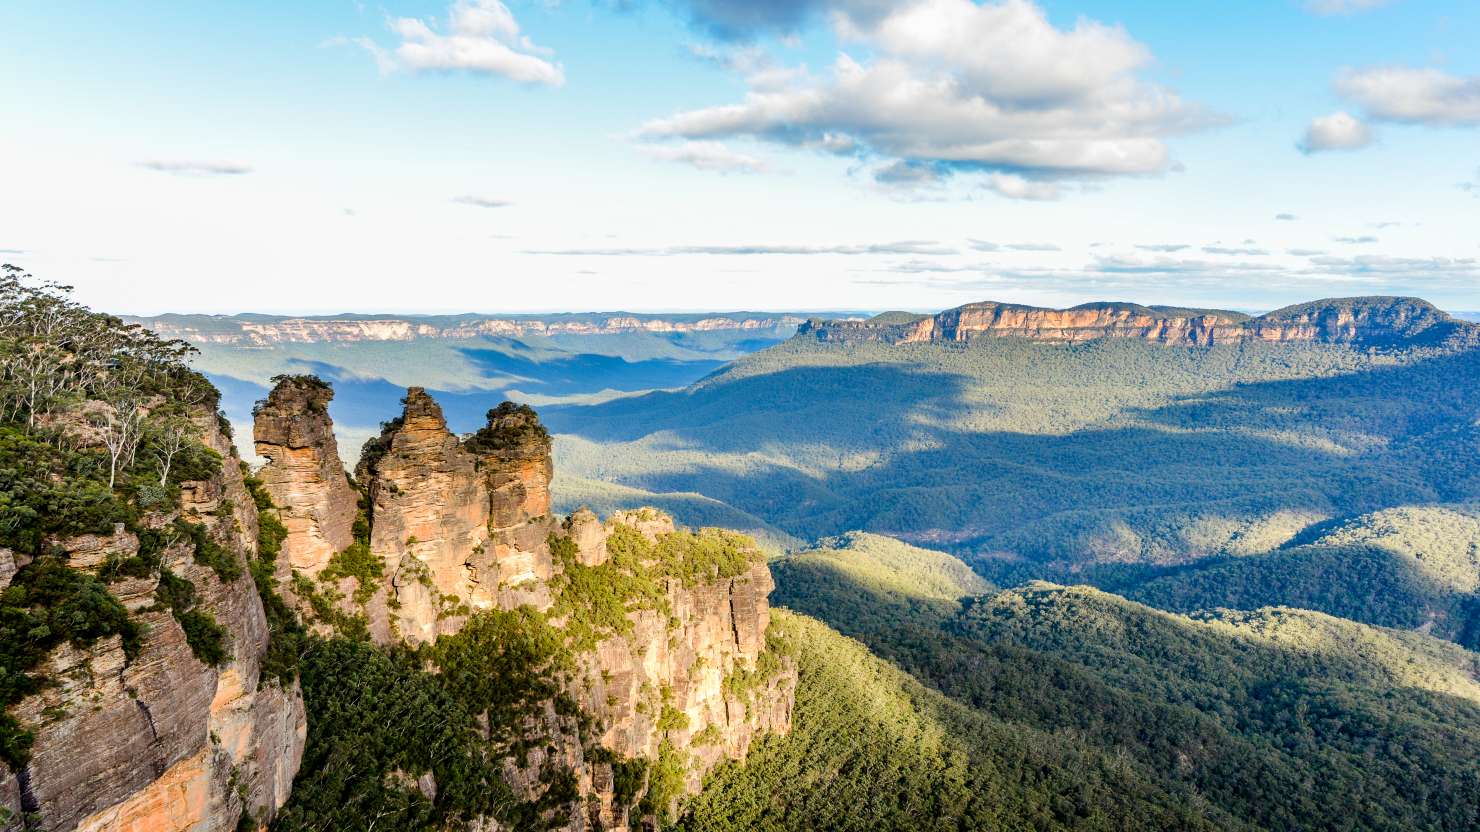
(208, 552)
(48, 492)
(47, 604)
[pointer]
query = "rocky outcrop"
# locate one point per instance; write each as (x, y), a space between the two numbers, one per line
(1363, 322)
(160, 740)
(693, 680)
(459, 525)
(261, 330)
(304, 474)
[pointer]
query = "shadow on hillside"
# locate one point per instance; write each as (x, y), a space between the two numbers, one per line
(801, 452)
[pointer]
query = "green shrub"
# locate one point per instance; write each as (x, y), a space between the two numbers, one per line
(358, 562)
(208, 552)
(206, 638)
(46, 492)
(49, 603)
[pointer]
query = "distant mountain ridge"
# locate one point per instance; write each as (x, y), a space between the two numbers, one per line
(264, 330)
(1363, 321)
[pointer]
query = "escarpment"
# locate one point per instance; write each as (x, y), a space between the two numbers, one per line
(657, 664)
(1363, 322)
(172, 723)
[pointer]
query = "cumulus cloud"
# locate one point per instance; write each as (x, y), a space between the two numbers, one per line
(1356, 241)
(196, 167)
(993, 88)
(1304, 252)
(481, 201)
(710, 156)
(1330, 7)
(1285, 217)
(1164, 248)
(1013, 186)
(1338, 131)
(902, 247)
(479, 36)
(1413, 96)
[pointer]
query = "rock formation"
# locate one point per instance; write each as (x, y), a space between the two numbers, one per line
(457, 527)
(304, 474)
(173, 728)
(262, 330)
(1363, 322)
(462, 525)
(161, 740)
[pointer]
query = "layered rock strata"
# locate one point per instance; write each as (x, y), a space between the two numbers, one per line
(1374, 321)
(304, 474)
(161, 741)
(262, 331)
(458, 525)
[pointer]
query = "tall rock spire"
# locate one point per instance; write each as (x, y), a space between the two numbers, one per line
(304, 474)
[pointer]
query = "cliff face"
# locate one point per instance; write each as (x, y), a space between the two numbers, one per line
(162, 740)
(1357, 321)
(259, 332)
(304, 474)
(457, 528)
(463, 525)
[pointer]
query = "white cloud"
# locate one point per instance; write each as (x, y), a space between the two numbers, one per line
(925, 247)
(1286, 217)
(196, 167)
(992, 87)
(1415, 96)
(1338, 131)
(482, 201)
(1228, 251)
(987, 245)
(480, 36)
(1328, 7)
(1409, 267)
(710, 156)
(1018, 187)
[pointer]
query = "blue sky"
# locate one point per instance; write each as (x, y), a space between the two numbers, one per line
(472, 155)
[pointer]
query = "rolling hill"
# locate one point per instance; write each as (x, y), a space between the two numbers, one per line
(1268, 719)
(1041, 459)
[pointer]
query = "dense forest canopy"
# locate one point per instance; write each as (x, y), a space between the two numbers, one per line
(1046, 460)
(1272, 719)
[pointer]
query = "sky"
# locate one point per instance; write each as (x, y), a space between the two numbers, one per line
(660, 155)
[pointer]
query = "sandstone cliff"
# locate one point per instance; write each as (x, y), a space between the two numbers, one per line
(682, 678)
(304, 474)
(1363, 322)
(258, 330)
(148, 736)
